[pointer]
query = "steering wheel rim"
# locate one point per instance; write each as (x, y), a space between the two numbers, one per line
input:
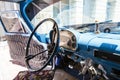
(55, 36)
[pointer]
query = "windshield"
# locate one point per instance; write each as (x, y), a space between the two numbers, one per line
(82, 15)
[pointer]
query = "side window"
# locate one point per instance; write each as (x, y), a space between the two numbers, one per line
(12, 22)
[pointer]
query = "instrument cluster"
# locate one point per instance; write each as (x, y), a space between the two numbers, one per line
(68, 40)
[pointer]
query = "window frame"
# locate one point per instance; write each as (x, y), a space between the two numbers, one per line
(22, 22)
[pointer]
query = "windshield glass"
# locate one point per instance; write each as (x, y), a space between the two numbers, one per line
(82, 15)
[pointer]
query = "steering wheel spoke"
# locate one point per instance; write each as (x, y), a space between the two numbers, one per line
(32, 56)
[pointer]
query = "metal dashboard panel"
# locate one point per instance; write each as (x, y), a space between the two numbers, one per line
(106, 42)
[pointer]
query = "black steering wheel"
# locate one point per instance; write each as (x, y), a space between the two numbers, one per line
(44, 57)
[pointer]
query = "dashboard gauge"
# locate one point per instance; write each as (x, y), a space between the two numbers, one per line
(68, 40)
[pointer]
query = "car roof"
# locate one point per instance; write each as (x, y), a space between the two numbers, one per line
(12, 0)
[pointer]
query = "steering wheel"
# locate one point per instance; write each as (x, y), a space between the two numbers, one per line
(44, 57)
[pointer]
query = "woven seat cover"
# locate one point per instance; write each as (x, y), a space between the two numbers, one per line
(17, 46)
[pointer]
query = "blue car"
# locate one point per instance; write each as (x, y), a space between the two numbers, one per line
(50, 34)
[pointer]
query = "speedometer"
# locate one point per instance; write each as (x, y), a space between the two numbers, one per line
(68, 40)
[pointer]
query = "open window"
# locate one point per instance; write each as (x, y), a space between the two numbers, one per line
(12, 22)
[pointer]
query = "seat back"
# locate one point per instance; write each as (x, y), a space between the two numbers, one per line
(17, 46)
(17, 37)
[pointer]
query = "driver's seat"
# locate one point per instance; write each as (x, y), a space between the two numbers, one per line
(17, 38)
(17, 46)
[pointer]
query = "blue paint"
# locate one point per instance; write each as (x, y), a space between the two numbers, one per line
(86, 42)
(23, 6)
(109, 47)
